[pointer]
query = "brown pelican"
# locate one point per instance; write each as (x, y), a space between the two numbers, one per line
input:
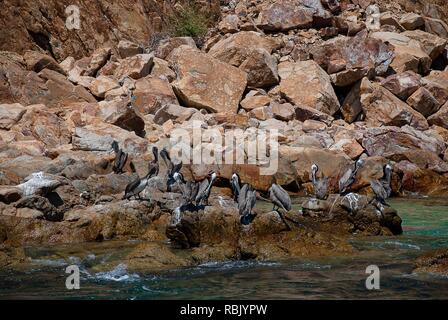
(379, 191)
(349, 177)
(320, 185)
(153, 167)
(247, 199)
(280, 198)
(235, 183)
(120, 158)
(387, 179)
(171, 167)
(189, 190)
(134, 188)
(204, 190)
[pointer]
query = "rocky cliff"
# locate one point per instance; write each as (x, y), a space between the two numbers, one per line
(339, 80)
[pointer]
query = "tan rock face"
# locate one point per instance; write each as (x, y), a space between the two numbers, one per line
(10, 114)
(424, 102)
(99, 137)
(402, 84)
(151, 93)
(204, 82)
(27, 87)
(37, 61)
(238, 47)
(440, 118)
(411, 21)
(430, 43)
(128, 49)
(351, 107)
(261, 69)
(350, 147)
(253, 102)
(44, 26)
(349, 59)
(381, 107)
(101, 85)
(319, 94)
(135, 67)
(168, 45)
(283, 15)
(42, 124)
(406, 49)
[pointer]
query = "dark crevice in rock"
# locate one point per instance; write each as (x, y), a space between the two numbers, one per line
(43, 41)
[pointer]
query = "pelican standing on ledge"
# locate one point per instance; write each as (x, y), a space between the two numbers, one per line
(349, 177)
(281, 199)
(320, 185)
(205, 189)
(120, 158)
(235, 182)
(171, 169)
(381, 188)
(134, 188)
(247, 199)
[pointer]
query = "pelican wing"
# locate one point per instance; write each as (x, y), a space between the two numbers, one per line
(378, 189)
(280, 197)
(132, 185)
(321, 188)
(346, 180)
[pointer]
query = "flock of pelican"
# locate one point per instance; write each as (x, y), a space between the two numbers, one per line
(195, 195)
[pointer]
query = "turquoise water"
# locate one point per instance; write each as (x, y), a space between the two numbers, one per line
(425, 223)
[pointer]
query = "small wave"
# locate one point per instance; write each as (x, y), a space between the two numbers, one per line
(50, 262)
(118, 274)
(402, 245)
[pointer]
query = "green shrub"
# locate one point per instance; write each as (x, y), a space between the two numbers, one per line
(188, 22)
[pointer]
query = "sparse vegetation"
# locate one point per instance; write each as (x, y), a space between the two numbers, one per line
(189, 21)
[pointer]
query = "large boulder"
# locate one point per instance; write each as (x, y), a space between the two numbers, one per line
(239, 46)
(43, 125)
(402, 84)
(10, 114)
(381, 107)
(440, 118)
(349, 59)
(167, 45)
(37, 61)
(135, 67)
(206, 83)
(99, 137)
(306, 83)
(18, 85)
(283, 15)
(151, 93)
(406, 50)
(430, 43)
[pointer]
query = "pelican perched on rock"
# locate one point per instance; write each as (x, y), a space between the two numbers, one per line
(205, 187)
(349, 177)
(189, 190)
(280, 198)
(153, 167)
(120, 158)
(247, 199)
(379, 191)
(171, 167)
(386, 180)
(134, 188)
(235, 182)
(320, 184)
